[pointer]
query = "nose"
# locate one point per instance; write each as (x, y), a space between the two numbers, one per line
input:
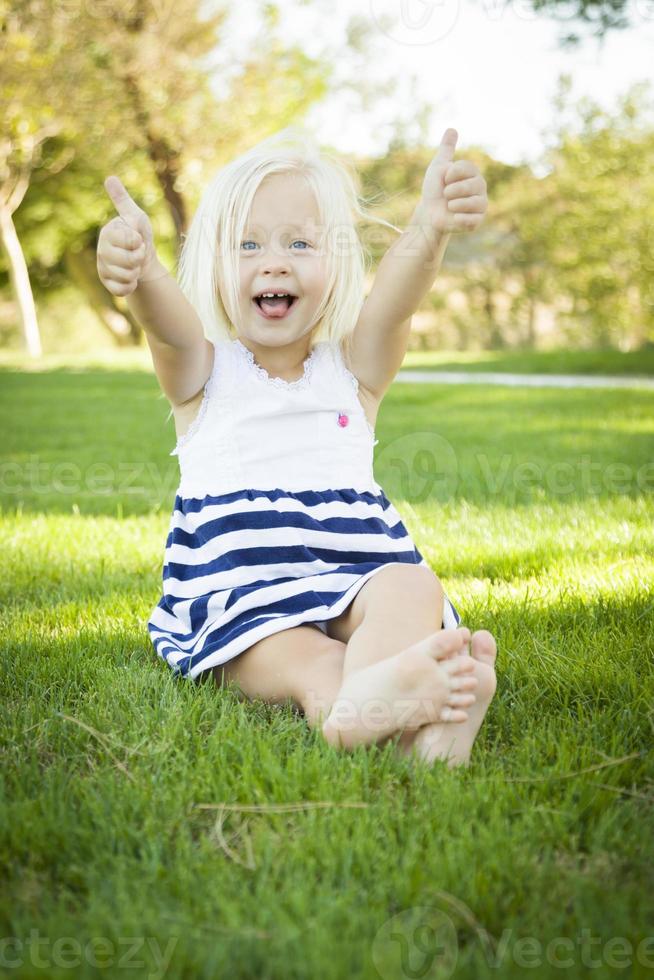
(275, 266)
(274, 261)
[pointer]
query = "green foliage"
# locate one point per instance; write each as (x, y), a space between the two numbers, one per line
(597, 233)
(131, 91)
(604, 16)
(577, 241)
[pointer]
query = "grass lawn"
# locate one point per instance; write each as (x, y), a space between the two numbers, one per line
(639, 363)
(535, 508)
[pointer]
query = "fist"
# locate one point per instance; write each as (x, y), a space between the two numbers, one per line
(125, 254)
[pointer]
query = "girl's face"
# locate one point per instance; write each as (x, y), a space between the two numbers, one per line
(281, 252)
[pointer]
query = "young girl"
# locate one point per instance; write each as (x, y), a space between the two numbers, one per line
(287, 570)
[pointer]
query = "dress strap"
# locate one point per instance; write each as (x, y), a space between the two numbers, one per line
(342, 367)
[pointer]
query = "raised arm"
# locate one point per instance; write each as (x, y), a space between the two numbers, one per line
(128, 266)
(453, 199)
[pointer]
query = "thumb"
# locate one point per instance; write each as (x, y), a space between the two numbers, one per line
(446, 150)
(128, 209)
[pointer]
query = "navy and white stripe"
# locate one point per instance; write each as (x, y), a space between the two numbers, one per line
(240, 566)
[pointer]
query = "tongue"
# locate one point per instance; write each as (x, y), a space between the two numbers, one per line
(275, 307)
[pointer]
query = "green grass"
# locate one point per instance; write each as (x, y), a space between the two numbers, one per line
(535, 509)
(640, 363)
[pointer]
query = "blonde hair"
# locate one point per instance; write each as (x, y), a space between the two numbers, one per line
(209, 257)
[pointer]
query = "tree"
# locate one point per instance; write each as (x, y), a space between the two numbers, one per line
(30, 114)
(597, 234)
(140, 103)
(575, 245)
(602, 16)
(126, 85)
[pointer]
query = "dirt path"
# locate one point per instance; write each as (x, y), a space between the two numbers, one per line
(527, 380)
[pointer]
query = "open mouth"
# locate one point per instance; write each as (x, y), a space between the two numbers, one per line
(275, 304)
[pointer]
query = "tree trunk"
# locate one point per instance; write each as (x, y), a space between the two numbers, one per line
(496, 337)
(83, 271)
(166, 162)
(20, 282)
(531, 322)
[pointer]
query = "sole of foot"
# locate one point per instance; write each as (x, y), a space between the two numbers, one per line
(431, 681)
(453, 743)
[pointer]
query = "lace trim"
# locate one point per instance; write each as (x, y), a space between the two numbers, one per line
(261, 373)
(202, 411)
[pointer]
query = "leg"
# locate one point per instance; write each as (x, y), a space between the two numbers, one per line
(410, 687)
(300, 664)
(397, 607)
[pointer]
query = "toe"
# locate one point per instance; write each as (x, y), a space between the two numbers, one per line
(456, 700)
(448, 643)
(463, 682)
(453, 714)
(487, 683)
(459, 666)
(483, 647)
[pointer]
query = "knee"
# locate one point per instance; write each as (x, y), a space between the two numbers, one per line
(408, 586)
(423, 578)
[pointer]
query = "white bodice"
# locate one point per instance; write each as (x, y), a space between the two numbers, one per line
(253, 431)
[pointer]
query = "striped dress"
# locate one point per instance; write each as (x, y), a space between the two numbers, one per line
(277, 520)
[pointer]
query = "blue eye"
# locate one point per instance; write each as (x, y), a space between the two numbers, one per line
(249, 242)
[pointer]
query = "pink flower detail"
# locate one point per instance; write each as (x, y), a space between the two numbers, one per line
(342, 419)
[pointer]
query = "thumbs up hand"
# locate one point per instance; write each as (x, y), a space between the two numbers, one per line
(126, 254)
(453, 194)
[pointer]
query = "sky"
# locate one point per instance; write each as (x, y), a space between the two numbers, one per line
(487, 68)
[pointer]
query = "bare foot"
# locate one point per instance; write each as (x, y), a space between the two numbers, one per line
(428, 682)
(454, 742)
